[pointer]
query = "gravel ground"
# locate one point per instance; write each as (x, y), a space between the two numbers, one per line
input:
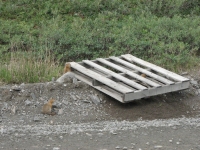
(88, 119)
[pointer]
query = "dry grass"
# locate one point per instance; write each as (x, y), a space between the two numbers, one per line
(27, 68)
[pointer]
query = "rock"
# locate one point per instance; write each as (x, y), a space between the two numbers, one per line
(5, 107)
(78, 84)
(33, 96)
(57, 104)
(175, 128)
(16, 88)
(60, 111)
(53, 79)
(88, 134)
(22, 84)
(66, 78)
(114, 133)
(86, 101)
(28, 103)
(37, 103)
(7, 97)
(117, 147)
(13, 110)
(184, 73)
(124, 148)
(56, 148)
(73, 97)
(77, 96)
(194, 82)
(36, 119)
(100, 134)
(198, 91)
(158, 146)
(65, 102)
(75, 81)
(2, 130)
(95, 99)
(51, 122)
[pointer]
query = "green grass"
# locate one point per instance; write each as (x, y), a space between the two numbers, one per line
(24, 68)
(164, 32)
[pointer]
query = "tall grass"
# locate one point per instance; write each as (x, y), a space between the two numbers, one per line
(24, 67)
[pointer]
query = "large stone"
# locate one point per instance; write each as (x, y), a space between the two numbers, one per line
(194, 82)
(95, 99)
(16, 88)
(66, 78)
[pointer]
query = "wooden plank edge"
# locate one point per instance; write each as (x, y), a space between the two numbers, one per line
(159, 69)
(116, 95)
(156, 91)
(100, 78)
(142, 70)
(115, 75)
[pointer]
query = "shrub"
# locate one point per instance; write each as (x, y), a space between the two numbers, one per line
(164, 32)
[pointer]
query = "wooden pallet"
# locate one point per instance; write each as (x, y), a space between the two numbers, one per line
(127, 78)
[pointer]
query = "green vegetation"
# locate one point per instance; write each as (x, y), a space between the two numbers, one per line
(37, 37)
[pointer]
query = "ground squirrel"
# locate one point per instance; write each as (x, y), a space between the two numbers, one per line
(67, 68)
(47, 108)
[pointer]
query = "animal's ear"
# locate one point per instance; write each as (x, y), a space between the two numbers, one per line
(51, 99)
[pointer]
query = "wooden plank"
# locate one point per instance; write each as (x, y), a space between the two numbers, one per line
(148, 73)
(100, 78)
(103, 88)
(134, 75)
(156, 91)
(115, 75)
(163, 71)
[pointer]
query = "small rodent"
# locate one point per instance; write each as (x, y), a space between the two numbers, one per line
(67, 68)
(47, 108)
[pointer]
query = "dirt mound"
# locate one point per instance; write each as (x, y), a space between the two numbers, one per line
(81, 103)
